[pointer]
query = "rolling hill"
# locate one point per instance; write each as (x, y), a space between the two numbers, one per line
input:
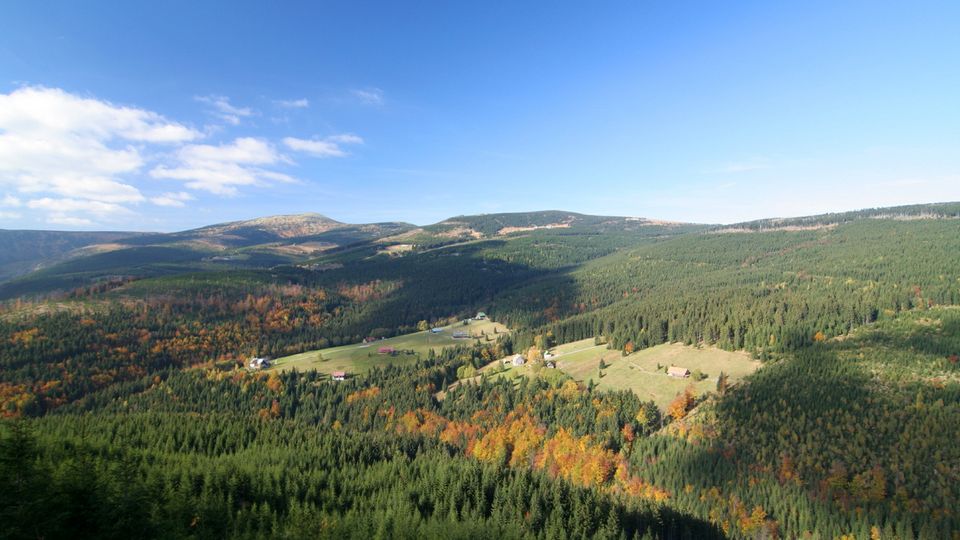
(830, 347)
(27, 251)
(256, 243)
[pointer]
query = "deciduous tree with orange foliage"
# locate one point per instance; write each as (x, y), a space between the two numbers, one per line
(682, 404)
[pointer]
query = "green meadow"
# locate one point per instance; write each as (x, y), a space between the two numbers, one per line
(361, 357)
(642, 372)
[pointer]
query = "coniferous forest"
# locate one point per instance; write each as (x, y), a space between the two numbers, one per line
(130, 410)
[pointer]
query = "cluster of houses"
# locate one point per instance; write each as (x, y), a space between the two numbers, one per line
(519, 360)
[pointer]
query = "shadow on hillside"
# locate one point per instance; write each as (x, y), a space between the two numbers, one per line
(453, 281)
(817, 415)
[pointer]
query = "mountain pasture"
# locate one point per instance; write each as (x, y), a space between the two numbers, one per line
(361, 357)
(644, 372)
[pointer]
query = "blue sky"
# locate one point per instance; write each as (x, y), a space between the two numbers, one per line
(171, 115)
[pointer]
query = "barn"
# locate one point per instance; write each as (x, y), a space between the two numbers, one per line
(259, 363)
(339, 375)
(678, 372)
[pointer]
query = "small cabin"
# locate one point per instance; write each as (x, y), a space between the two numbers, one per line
(339, 375)
(369, 339)
(460, 335)
(436, 330)
(678, 372)
(480, 316)
(259, 363)
(550, 364)
(519, 360)
(386, 350)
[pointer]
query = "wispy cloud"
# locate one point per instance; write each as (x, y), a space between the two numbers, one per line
(323, 148)
(11, 201)
(63, 211)
(221, 168)
(177, 199)
(224, 110)
(369, 96)
(302, 103)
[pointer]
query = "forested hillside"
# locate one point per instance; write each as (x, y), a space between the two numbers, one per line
(26, 251)
(130, 411)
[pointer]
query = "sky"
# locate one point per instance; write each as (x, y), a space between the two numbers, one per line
(170, 115)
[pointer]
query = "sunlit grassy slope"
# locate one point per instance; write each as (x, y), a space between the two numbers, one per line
(360, 357)
(639, 371)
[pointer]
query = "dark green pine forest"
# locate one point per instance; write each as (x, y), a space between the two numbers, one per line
(129, 412)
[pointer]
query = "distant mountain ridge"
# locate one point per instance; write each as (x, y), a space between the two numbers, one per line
(38, 262)
(944, 210)
(24, 251)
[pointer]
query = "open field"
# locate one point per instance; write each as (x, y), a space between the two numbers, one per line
(638, 372)
(360, 357)
(496, 370)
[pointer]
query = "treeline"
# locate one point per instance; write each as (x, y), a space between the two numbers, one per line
(906, 212)
(840, 439)
(763, 292)
(207, 453)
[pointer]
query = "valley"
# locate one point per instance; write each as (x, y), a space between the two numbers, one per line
(677, 380)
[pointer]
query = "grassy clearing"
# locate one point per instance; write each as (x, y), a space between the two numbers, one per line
(639, 374)
(360, 357)
(497, 370)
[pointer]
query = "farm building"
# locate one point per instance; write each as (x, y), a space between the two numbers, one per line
(339, 375)
(460, 335)
(480, 316)
(386, 350)
(678, 372)
(259, 363)
(519, 360)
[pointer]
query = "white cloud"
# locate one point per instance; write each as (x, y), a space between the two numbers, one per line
(324, 148)
(69, 221)
(79, 161)
(9, 215)
(63, 211)
(302, 103)
(177, 199)
(220, 169)
(77, 148)
(224, 110)
(346, 138)
(369, 96)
